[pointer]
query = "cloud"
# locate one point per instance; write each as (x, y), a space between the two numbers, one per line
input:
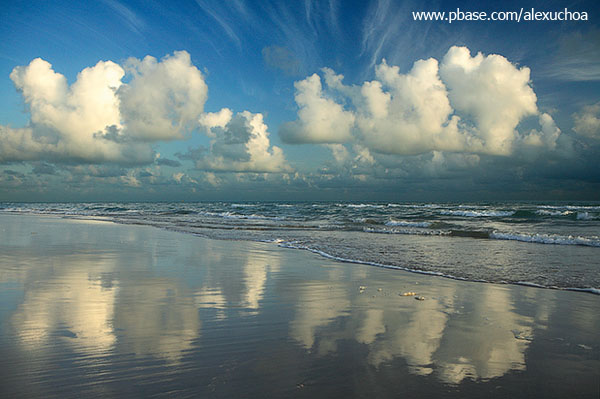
(43, 168)
(587, 121)
(321, 120)
(222, 20)
(577, 58)
(239, 143)
(192, 154)
(133, 21)
(468, 104)
(164, 99)
(99, 118)
(407, 113)
(490, 90)
(546, 137)
(168, 162)
(281, 58)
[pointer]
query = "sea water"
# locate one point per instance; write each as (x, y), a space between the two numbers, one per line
(550, 244)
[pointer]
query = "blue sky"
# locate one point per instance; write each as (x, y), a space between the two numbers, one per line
(292, 100)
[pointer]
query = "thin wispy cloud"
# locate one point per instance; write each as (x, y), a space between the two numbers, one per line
(576, 59)
(221, 19)
(133, 20)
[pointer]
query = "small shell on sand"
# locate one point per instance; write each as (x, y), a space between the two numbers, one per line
(420, 298)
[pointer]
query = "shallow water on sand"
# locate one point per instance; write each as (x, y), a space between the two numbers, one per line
(90, 309)
(548, 244)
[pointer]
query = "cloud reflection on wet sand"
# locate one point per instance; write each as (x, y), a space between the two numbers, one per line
(210, 307)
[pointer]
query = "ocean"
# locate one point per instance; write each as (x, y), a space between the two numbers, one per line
(545, 244)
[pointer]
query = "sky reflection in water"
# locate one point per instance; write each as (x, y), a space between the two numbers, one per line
(99, 299)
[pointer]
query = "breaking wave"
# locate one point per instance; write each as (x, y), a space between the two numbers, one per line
(476, 213)
(547, 239)
(404, 223)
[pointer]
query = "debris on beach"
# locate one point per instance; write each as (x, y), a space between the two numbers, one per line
(379, 289)
(409, 293)
(583, 346)
(361, 289)
(420, 298)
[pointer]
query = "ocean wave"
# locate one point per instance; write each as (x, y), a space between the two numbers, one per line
(590, 290)
(417, 206)
(571, 207)
(365, 221)
(179, 212)
(297, 245)
(544, 212)
(232, 215)
(323, 228)
(360, 206)
(405, 223)
(584, 216)
(469, 233)
(475, 213)
(406, 231)
(115, 209)
(547, 239)
(294, 245)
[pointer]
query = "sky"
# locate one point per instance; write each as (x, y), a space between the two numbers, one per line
(195, 100)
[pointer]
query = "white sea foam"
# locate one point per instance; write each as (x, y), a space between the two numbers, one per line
(293, 245)
(543, 212)
(414, 206)
(571, 207)
(296, 245)
(477, 213)
(547, 239)
(584, 216)
(231, 215)
(407, 231)
(530, 284)
(361, 205)
(405, 223)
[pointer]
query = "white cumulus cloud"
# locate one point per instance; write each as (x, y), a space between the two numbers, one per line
(320, 119)
(492, 91)
(587, 121)
(239, 143)
(547, 136)
(465, 104)
(164, 99)
(99, 118)
(407, 113)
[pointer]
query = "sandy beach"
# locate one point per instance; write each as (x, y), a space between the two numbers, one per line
(97, 309)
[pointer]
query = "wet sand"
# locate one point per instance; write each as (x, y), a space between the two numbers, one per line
(95, 309)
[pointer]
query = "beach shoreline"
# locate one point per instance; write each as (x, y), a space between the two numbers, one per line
(551, 244)
(87, 301)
